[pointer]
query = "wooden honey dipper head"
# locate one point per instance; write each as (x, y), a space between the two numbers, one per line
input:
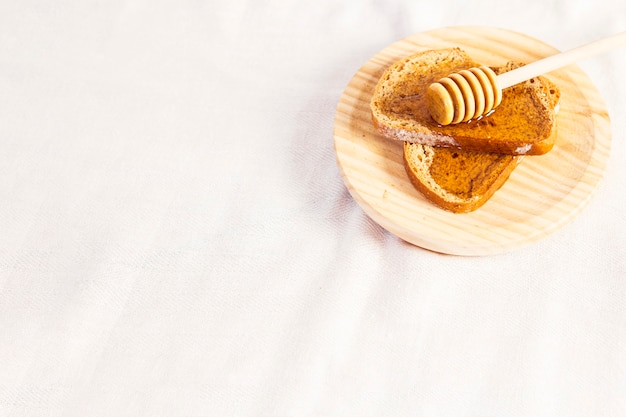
(465, 95)
(472, 93)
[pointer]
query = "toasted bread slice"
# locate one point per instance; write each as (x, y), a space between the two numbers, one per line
(455, 180)
(521, 125)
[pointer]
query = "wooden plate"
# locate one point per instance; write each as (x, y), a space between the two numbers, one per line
(544, 192)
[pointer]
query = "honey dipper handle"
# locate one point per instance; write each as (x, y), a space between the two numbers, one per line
(560, 60)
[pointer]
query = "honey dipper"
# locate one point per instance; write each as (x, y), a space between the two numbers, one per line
(472, 93)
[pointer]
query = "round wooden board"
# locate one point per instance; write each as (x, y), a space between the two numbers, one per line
(543, 193)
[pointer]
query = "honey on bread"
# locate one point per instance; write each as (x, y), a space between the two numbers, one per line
(513, 116)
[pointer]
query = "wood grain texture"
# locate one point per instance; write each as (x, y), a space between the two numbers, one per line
(542, 195)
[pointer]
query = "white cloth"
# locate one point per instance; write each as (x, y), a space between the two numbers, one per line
(176, 239)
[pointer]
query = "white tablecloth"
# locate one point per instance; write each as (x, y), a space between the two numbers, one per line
(176, 239)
